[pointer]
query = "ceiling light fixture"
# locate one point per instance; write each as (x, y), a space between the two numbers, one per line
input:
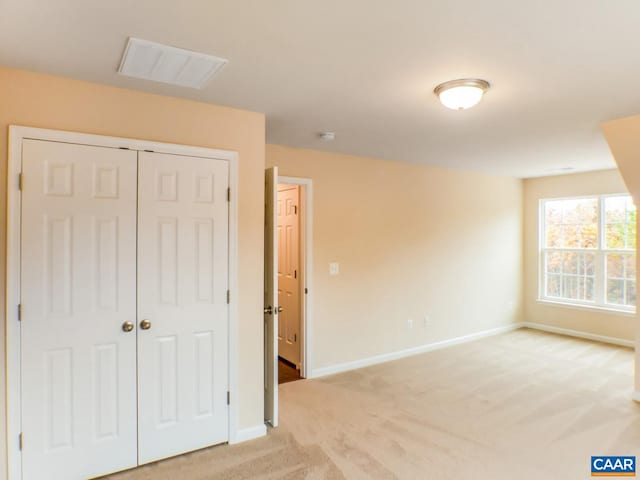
(461, 94)
(327, 136)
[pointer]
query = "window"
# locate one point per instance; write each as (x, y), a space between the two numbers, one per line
(588, 251)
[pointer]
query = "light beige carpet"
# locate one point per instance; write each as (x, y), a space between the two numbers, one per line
(523, 405)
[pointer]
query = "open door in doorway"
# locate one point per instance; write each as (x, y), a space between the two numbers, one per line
(271, 297)
(288, 272)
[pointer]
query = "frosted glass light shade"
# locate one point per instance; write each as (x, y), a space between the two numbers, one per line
(461, 94)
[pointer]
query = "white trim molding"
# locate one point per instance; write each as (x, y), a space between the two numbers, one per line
(251, 433)
(387, 357)
(12, 340)
(575, 333)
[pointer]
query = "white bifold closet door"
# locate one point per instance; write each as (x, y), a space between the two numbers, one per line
(124, 308)
(182, 294)
(78, 288)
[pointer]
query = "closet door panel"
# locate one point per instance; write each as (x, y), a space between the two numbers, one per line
(182, 294)
(78, 288)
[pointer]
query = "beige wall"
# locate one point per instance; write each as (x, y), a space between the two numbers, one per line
(589, 321)
(411, 241)
(51, 102)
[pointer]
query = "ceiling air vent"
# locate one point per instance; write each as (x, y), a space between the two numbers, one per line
(162, 63)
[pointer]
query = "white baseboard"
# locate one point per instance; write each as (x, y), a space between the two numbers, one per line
(250, 433)
(576, 333)
(636, 396)
(365, 362)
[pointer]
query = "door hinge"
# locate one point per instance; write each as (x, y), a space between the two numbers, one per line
(20, 441)
(295, 210)
(295, 337)
(19, 312)
(20, 181)
(229, 194)
(228, 398)
(295, 274)
(306, 290)
(228, 297)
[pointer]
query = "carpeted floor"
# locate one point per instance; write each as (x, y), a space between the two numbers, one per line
(523, 405)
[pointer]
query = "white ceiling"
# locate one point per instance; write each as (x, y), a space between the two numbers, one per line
(366, 69)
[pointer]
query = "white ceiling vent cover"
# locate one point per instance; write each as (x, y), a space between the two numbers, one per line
(162, 63)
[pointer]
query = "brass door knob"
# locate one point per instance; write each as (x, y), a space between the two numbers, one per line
(127, 326)
(145, 324)
(280, 309)
(268, 310)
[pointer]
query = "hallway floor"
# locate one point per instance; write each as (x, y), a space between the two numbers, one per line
(287, 372)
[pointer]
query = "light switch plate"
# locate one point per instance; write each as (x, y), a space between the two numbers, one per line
(334, 268)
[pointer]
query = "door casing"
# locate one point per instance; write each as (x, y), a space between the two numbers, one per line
(13, 260)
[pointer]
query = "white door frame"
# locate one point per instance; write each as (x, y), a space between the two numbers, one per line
(13, 259)
(306, 259)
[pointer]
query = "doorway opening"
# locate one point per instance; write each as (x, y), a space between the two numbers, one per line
(290, 272)
(288, 284)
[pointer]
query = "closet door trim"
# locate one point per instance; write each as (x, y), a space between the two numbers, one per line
(13, 274)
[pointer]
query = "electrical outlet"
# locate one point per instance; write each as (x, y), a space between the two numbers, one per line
(334, 268)
(410, 323)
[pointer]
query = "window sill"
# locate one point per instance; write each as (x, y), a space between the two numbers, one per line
(592, 308)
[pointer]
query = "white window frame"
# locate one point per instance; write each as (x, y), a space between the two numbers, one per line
(599, 253)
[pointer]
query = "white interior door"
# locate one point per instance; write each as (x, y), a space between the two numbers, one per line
(289, 273)
(182, 294)
(78, 290)
(271, 297)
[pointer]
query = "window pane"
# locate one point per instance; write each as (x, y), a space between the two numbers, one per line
(615, 266)
(616, 234)
(631, 233)
(570, 262)
(554, 262)
(570, 275)
(615, 209)
(553, 285)
(570, 287)
(630, 266)
(620, 279)
(587, 266)
(553, 212)
(589, 236)
(554, 236)
(589, 289)
(631, 293)
(620, 222)
(615, 292)
(621, 265)
(571, 223)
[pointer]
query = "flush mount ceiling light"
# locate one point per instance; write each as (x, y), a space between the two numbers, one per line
(166, 64)
(461, 94)
(327, 136)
